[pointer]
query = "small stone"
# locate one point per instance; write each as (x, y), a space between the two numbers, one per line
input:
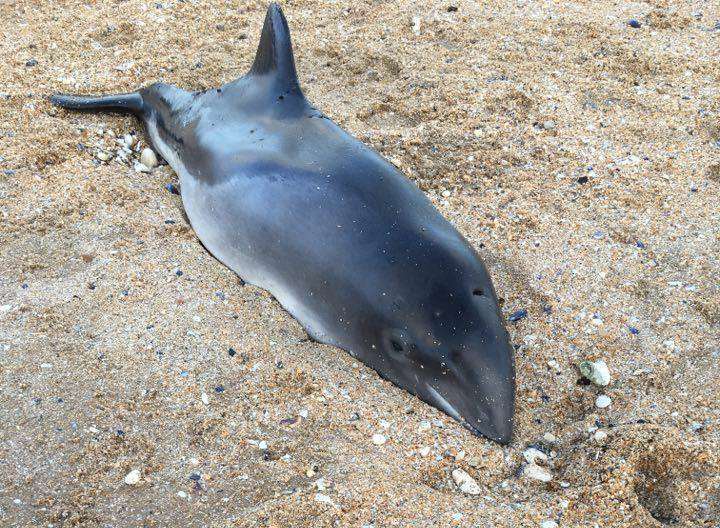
(548, 524)
(303, 413)
(424, 426)
(148, 158)
(596, 371)
(319, 497)
(172, 189)
(600, 436)
(549, 438)
(133, 477)
(535, 472)
(634, 23)
(516, 316)
(182, 494)
(532, 455)
(378, 439)
(103, 155)
(465, 482)
(603, 401)
(416, 23)
(474, 462)
(549, 124)
(205, 398)
(424, 451)
(446, 194)
(263, 445)
(31, 62)
(141, 167)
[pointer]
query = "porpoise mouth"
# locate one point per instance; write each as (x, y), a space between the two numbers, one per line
(497, 427)
(443, 404)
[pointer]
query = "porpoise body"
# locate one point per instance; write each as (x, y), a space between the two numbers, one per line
(348, 245)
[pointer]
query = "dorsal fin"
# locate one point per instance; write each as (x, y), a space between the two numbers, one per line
(274, 55)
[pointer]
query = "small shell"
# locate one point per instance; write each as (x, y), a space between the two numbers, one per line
(465, 482)
(596, 371)
(148, 158)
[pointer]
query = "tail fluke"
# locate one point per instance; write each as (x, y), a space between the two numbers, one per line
(126, 103)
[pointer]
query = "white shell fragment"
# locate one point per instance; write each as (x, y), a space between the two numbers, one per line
(603, 401)
(148, 158)
(465, 482)
(535, 472)
(596, 371)
(532, 455)
(378, 439)
(133, 477)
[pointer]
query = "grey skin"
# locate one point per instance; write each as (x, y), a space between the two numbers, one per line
(350, 247)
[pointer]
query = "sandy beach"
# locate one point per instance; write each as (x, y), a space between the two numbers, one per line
(575, 144)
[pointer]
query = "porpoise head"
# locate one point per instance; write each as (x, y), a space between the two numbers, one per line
(435, 329)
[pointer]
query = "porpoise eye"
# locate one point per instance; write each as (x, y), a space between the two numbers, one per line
(397, 345)
(478, 292)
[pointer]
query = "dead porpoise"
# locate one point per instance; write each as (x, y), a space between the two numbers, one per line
(350, 247)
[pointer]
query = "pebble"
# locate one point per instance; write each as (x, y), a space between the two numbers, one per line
(182, 494)
(378, 439)
(424, 451)
(474, 462)
(319, 497)
(596, 371)
(446, 194)
(172, 189)
(516, 316)
(549, 124)
(535, 472)
(555, 366)
(263, 445)
(549, 438)
(205, 398)
(634, 23)
(548, 524)
(465, 482)
(532, 455)
(103, 155)
(603, 401)
(424, 426)
(148, 158)
(133, 477)
(600, 436)
(141, 167)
